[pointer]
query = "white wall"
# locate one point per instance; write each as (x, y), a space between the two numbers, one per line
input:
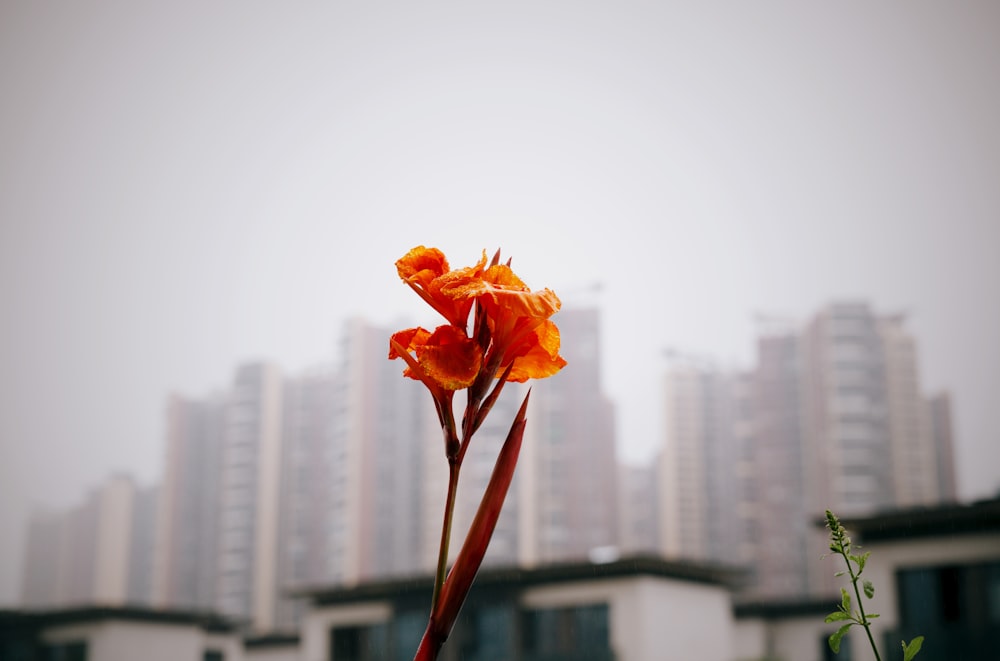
(803, 638)
(653, 618)
(799, 638)
(319, 620)
(750, 639)
(114, 536)
(111, 640)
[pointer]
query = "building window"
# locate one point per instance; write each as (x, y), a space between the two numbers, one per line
(407, 630)
(488, 633)
(359, 643)
(955, 607)
(71, 651)
(581, 633)
(213, 655)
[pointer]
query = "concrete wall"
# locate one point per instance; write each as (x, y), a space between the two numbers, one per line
(318, 621)
(652, 618)
(800, 638)
(111, 640)
(750, 639)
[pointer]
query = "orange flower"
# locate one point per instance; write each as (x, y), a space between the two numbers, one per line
(518, 319)
(445, 359)
(540, 357)
(426, 271)
(513, 339)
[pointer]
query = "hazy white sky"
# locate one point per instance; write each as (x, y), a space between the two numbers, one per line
(185, 186)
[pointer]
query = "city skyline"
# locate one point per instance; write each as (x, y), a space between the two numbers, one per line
(337, 476)
(186, 188)
(282, 480)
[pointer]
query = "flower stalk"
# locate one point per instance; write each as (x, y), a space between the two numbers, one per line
(449, 514)
(512, 339)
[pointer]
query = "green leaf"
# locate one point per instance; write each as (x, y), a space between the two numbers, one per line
(836, 638)
(837, 616)
(872, 616)
(910, 651)
(845, 600)
(840, 573)
(862, 559)
(869, 589)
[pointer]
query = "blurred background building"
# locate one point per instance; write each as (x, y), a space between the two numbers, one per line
(832, 416)
(337, 476)
(98, 552)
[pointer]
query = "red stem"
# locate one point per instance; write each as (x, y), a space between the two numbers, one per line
(430, 644)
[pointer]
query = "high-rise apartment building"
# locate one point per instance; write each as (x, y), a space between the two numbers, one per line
(869, 440)
(185, 561)
(143, 551)
(87, 554)
(386, 424)
(700, 462)
(570, 451)
(939, 417)
(831, 417)
(40, 584)
(869, 443)
(337, 476)
(217, 542)
(247, 581)
(638, 509)
(777, 525)
(308, 420)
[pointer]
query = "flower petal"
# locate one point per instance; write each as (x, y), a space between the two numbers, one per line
(500, 288)
(421, 265)
(540, 358)
(409, 339)
(450, 358)
(426, 271)
(400, 345)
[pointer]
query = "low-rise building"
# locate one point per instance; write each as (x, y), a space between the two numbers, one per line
(117, 634)
(640, 609)
(936, 573)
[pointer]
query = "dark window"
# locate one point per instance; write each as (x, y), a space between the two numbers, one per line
(487, 633)
(956, 608)
(360, 643)
(407, 630)
(71, 651)
(213, 655)
(580, 633)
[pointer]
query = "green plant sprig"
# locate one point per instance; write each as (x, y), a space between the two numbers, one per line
(840, 544)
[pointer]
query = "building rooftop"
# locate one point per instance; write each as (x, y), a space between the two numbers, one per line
(519, 577)
(271, 641)
(776, 609)
(20, 619)
(938, 521)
